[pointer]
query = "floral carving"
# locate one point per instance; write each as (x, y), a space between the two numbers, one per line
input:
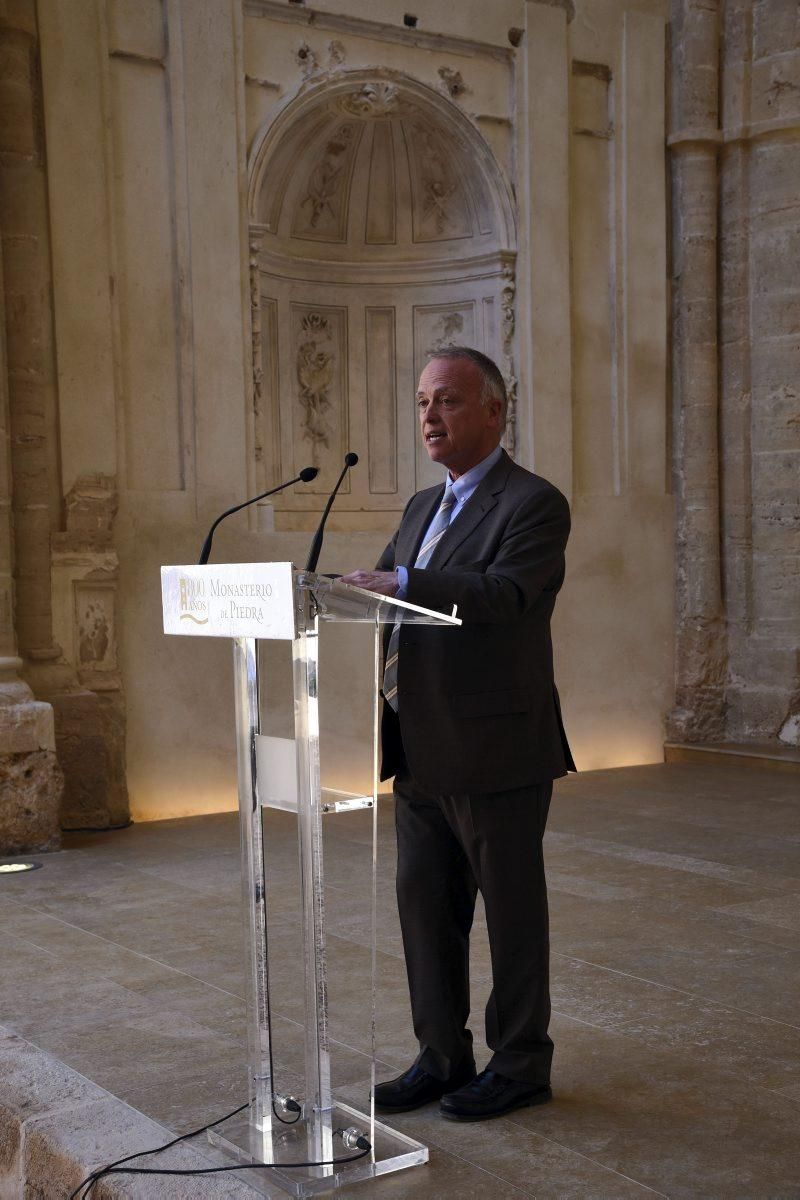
(450, 326)
(306, 60)
(94, 635)
(507, 306)
(453, 82)
(507, 298)
(314, 367)
(375, 99)
(256, 347)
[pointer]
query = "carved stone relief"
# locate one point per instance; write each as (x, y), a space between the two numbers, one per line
(439, 203)
(314, 367)
(449, 331)
(507, 307)
(452, 82)
(256, 348)
(378, 99)
(317, 422)
(322, 211)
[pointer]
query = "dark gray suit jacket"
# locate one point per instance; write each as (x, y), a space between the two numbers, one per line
(478, 706)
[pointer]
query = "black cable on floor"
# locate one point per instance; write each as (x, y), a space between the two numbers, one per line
(117, 1168)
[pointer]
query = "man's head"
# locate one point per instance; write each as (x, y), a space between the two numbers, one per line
(461, 400)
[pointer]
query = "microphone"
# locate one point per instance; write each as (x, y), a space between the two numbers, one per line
(350, 460)
(305, 476)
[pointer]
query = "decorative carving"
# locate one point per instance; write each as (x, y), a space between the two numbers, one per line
(324, 193)
(336, 54)
(375, 99)
(453, 82)
(94, 614)
(507, 298)
(256, 347)
(438, 184)
(306, 60)
(315, 366)
(510, 435)
(450, 325)
(507, 306)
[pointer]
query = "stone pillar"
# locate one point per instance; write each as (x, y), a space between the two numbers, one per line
(760, 366)
(701, 649)
(89, 727)
(30, 779)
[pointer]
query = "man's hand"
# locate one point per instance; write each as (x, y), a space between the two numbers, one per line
(384, 582)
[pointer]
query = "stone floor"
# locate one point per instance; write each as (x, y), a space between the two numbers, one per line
(675, 902)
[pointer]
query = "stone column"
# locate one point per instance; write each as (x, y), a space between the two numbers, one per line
(30, 780)
(760, 366)
(88, 727)
(701, 649)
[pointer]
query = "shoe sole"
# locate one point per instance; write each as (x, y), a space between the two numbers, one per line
(534, 1100)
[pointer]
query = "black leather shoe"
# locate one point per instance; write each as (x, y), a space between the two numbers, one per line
(416, 1087)
(492, 1095)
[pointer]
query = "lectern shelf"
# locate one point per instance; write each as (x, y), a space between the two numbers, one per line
(248, 602)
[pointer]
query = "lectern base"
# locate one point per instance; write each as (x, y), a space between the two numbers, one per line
(245, 1143)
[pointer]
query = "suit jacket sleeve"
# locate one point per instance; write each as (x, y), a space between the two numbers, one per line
(528, 560)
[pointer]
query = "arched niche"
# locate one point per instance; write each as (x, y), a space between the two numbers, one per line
(381, 229)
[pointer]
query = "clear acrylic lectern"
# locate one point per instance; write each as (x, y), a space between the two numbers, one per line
(248, 602)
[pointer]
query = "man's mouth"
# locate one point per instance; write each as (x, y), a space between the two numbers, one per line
(433, 437)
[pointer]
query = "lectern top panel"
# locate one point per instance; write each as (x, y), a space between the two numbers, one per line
(337, 601)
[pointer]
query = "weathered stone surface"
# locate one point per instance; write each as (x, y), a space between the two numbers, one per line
(56, 1127)
(26, 726)
(31, 786)
(90, 735)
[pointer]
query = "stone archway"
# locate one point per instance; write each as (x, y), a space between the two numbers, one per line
(381, 228)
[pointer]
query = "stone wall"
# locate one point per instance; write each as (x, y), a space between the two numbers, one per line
(735, 143)
(539, 230)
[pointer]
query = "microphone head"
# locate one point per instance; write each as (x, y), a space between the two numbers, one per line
(309, 473)
(350, 459)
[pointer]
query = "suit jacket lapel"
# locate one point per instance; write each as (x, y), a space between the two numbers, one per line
(414, 526)
(480, 503)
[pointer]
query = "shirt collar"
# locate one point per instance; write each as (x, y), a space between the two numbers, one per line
(465, 485)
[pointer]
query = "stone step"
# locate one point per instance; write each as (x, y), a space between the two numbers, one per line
(765, 755)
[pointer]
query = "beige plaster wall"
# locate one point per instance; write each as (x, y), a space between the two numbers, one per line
(155, 366)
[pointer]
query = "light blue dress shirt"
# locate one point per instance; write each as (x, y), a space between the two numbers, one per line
(462, 488)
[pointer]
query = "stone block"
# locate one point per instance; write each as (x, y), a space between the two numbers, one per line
(775, 367)
(774, 257)
(774, 171)
(91, 750)
(779, 427)
(56, 1127)
(31, 786)
(774, 27)
(775, 87)
(755, 714)
(26, 727)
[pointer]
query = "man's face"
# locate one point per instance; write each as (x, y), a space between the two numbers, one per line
(458, 430)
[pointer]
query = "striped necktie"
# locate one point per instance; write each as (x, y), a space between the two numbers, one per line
(434, 535)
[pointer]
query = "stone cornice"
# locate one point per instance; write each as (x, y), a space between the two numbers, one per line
(379, 30)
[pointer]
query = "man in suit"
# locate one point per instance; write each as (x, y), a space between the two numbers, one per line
(472, 733)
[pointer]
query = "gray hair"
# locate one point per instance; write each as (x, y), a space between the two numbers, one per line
(494, 387)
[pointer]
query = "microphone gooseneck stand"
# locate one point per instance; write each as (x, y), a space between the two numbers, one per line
(350, 460)
(305, 476)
